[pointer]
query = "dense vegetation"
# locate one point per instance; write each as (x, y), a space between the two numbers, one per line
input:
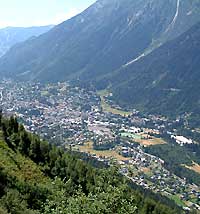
(176, 157)
(164, 82)
(36, 177)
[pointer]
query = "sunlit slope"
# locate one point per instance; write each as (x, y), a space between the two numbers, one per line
(109, 34)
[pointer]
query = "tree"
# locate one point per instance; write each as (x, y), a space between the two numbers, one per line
(1, 115)
(3, 210)
(24, 144)
(13, 125)
(3, 182)
(35, 152)
(13, 202)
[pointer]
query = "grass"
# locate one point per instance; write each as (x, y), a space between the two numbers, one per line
(16, 165)
(88, 148)
(107, 108)
(1, 137)
(151, 142)
(177, 200)
(130, 135)
(146, 170)
(195, 167)
(141, 139)
(44, 93)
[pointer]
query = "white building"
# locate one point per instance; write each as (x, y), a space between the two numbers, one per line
(182, 140)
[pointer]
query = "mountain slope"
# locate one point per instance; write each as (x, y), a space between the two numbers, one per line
(166, 81)
(36, 177)
(12, 35)
(98, 41)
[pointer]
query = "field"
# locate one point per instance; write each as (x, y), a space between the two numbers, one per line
(107, 108)
(88, 148)
(44, 93)
(146, 170)
(177, 200)
(130, 135)
(151, 142)
(142, 138)
(195, 167)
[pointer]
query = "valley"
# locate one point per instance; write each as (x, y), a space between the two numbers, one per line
(76, 118)
(100, 107)
(11, 36)
(108, 108)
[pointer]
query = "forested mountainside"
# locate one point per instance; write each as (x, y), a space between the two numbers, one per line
(98, 41)
(166, 81)
(36, 177)
(10, 36)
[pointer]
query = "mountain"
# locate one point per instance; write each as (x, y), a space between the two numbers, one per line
(167, 81)
(100, 40)
(10, 36)
(36, 177)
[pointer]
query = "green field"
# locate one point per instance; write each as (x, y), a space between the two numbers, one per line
(141, 139)
(44, 93)
(107, 108)
(130, 135)
(88, 148)
(177, 200)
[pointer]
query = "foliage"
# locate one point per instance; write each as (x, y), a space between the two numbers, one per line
(37, 177)
(174, 162)
(164, 82)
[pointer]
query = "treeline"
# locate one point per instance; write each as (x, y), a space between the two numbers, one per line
(68, 184)
(189, 133)
(176, 157)
(105, 145)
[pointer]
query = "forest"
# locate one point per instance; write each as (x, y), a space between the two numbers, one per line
(187, 155)
(38, 177)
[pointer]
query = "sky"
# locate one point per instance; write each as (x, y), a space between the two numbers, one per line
(25, 13)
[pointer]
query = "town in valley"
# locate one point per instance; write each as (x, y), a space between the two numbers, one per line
(88, 121)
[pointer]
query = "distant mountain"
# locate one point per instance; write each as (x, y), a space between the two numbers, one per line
(12, 35)
(166, 81)
(107, 35)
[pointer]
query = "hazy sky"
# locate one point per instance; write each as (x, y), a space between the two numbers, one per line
(22, 13)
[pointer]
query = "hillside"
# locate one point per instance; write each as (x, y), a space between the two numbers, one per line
(98, 41)
(36, 177)
(166, 81)
(12, 35)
